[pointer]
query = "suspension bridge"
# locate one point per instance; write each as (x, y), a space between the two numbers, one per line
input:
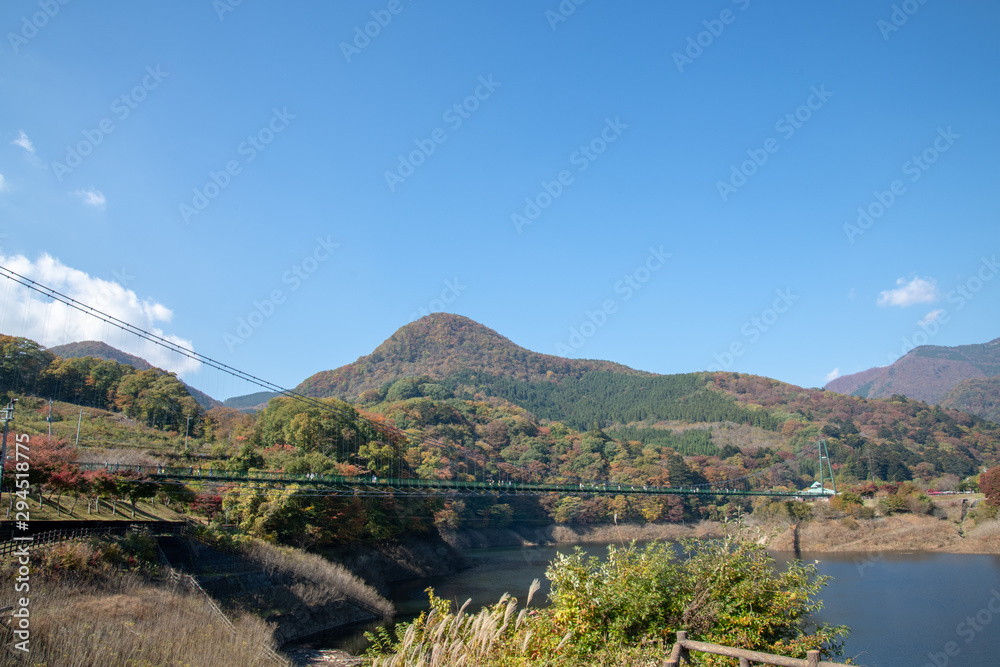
(372, 454)
(761, 484)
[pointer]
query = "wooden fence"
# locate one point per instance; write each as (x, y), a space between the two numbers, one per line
(49, 536)
(684, 646)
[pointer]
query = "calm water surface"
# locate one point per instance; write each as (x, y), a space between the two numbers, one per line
(941, 610)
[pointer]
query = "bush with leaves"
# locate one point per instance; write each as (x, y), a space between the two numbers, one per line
(626, 608)
(989, 484)
(892, 504)
(724, 591)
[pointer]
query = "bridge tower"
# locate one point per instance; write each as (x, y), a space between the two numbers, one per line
(824, 457)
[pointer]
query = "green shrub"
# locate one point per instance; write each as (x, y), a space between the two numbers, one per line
(625, 609)
(724, 591)
(892, 504)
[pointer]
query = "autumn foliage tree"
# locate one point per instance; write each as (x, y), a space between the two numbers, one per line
(989, 484)
(47, 456)
(66, 480)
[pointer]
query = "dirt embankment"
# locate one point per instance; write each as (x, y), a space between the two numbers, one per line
(947, 530)
(382, 564)
(520, 536)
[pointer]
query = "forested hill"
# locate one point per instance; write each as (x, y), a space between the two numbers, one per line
(152, 396)
(613, 399)
(440, 345)
(980, 397)
(99, 350)
(103, 351)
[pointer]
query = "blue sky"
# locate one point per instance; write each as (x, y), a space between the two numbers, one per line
(672, 186)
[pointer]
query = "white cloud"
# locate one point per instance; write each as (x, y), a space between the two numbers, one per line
(24, 142)
(91, 197)
(3, 183)
(27, 313)
(917, 290)
(832, 375)
(931, 317)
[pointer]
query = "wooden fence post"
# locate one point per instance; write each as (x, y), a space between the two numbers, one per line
(812, 657)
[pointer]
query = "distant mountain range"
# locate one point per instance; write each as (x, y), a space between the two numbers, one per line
(966, 377)
(251, 402)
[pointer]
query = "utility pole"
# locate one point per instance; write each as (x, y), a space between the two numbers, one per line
(187, 430)
(6, 415)
(49, 420)
(78, 423)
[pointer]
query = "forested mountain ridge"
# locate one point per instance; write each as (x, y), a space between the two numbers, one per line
(103, 351)
(99, 350)
(929, 373)
(151, 396)
(979, 397)
(440, 345)
(908, 432)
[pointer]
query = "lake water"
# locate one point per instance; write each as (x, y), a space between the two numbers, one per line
(910, 609)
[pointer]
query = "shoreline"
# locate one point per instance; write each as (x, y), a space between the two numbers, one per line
(899, 532)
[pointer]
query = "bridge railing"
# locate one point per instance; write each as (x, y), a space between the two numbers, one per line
(684, 646)
(197, 473)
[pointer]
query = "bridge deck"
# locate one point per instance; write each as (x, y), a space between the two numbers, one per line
(361, 485)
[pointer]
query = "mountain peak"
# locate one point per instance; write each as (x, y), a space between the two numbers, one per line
(441, 344)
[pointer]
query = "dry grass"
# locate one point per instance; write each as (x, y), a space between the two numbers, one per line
(316, 569)
(121, 620)
(497, 636)
(130, 457)
(984, 538)
(899, 532)
(642, 532)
